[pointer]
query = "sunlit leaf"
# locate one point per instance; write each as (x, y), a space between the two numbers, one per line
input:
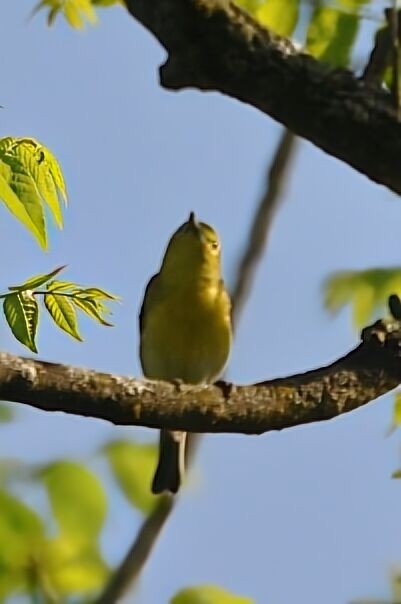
(14, 176)
(60, 286)
(208, 594)
(133, 466)
(91, 308)
(366, 291)
(96, 292)
(30, 177)
(45, 171)
(63, 313)
(331, 35)
(77, 499)
(36, 281)
(74, 11)
(22, 315)
(74, 567)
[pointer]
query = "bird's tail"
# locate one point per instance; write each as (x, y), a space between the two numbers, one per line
(171, 466)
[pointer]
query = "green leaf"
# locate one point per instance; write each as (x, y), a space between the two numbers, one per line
(21, 532)
(10, 195)
(73, 567)
(96, 292)
(133, 466)
(21, 182)
(22, 314)
(208, 594)
(60, 286)
(36, 281)
(63, 313)
(278, 17)
(91, 308)
(32, 173)
(77, 499)
(331, 35)
(36, 159)
(367, 291)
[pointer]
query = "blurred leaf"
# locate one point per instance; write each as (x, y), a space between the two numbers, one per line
(396, 586)
(280, 19)
(367, 291)
(208, 594)
(63, 313)
(77, 499)
(11, 582)
(22, 314)
(73, 567)
(36, 281)
(7, 414)
(107, 2)
(396, 419)
(280, 16)
(21, 532)
(331, 34)
(133, 466)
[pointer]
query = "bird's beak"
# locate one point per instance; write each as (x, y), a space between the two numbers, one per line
(192, 221)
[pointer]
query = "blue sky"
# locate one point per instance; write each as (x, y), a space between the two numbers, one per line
(309, 514)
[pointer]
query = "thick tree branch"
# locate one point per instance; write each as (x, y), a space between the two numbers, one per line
(368, 371)
(214, 45)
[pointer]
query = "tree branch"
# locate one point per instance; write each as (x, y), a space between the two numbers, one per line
(215, 45)
(368, 371)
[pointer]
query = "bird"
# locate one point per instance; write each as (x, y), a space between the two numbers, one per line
(185, 329)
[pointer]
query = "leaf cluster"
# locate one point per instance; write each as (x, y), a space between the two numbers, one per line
(61, 299)
(69, 563)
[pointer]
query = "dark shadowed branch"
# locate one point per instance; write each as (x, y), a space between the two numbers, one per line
(214, 45)
(368, 371)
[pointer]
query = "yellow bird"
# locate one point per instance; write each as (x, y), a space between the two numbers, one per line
(185, 329)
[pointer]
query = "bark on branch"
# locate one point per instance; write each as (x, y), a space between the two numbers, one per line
(214, 45)
(365, 373)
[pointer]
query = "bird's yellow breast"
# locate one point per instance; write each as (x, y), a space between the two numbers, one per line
(186, 333)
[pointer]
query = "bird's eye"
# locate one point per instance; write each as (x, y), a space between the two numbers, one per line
(214, 245)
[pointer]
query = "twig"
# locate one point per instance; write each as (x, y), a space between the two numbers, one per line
(260, 229)
(129, 570)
